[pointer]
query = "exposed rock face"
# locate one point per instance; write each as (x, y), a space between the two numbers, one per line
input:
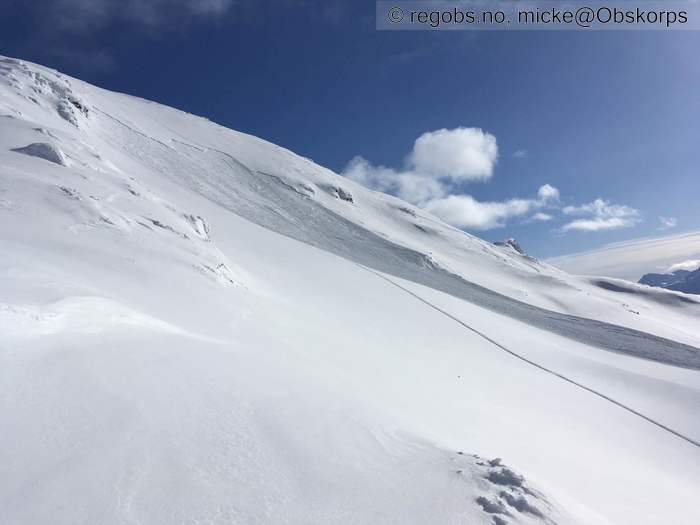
(512, 243)
(680, 280)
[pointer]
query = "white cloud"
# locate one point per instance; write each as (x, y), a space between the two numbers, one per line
(689, 265)
(455, 154)
(520, 154)
(597, 224)
(599, 207)
(541, 217)
(465, 212)
(666, 223)
(438, 161)
(437, 164)
(600, 215)
(548, 192)
(407, 185)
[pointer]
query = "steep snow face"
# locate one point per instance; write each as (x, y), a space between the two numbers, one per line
(199, 326)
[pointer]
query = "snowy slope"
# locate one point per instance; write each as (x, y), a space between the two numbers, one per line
(197, 326)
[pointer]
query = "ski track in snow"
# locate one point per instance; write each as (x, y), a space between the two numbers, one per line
(533, 363)
(370, 250)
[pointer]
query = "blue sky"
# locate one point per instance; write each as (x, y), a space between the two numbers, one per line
(610, 119)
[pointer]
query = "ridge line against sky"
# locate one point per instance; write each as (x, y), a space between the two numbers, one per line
(381, 107)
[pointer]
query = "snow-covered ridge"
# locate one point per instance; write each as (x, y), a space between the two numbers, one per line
(278, 189)
(232, 333)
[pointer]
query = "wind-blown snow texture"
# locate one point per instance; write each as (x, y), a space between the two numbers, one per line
(197, 326)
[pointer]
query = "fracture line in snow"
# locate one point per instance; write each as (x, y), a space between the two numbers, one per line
(130, 128)
(533, 363)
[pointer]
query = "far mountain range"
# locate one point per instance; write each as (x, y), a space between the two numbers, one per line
(687, 281)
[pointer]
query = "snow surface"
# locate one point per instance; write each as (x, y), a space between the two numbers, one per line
(198, 326)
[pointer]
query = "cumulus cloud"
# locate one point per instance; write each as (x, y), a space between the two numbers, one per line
(666, 223)
(600, 215)
(455, 154)
(520, 154)
(689, 265)
(464, 211)
(548, 193)
(410, 186)
(439, 162)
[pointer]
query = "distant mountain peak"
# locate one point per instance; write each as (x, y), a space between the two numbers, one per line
(681, 280)
(511, 243)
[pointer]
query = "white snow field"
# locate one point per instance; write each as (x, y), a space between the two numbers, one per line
(200, 327)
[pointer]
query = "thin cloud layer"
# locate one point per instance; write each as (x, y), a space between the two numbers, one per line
(632, 259)
(89, 16)
(72, 30)
(600, 215)
(666, 223)
(542, 217)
